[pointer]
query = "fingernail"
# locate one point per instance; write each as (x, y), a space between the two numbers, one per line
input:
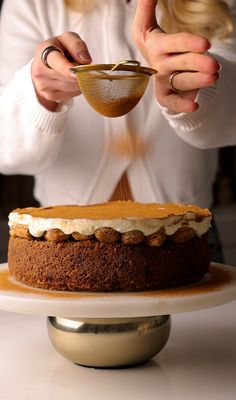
(84, 57)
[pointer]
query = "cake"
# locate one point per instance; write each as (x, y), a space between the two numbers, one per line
(114, 246)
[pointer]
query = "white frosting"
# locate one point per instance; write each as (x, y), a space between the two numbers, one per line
(37, 226)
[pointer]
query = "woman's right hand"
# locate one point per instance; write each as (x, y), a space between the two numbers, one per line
(56, 84)
(181, 59)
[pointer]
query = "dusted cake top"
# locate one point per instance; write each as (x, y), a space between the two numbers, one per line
(114, 210)
(123, 216)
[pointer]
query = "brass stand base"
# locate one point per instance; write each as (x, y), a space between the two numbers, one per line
(109, 342)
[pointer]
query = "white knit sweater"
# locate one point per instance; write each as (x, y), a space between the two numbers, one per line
(70, 151)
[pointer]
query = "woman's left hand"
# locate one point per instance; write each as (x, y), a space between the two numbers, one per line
(180, 59)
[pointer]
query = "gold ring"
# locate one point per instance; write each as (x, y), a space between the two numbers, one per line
(174, 89)
(48, 50)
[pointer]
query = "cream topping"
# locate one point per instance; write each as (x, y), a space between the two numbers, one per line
(87, 226)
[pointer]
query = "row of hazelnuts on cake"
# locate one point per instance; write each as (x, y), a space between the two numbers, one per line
(108, 235)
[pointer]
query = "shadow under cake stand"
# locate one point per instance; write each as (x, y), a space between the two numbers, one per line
(111, 330)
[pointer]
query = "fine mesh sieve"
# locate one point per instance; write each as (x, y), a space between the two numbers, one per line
(113, 89)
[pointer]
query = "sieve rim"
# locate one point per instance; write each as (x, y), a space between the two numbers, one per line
(119, 67)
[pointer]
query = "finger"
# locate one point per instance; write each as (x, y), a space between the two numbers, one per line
(54, 75)
(193, 80)
(191, 62)
(58, 96)
(182, 42)
(145, 17)
(180, 104)
(75, 51)
(76, 47)
(57, 84)
(57, 61)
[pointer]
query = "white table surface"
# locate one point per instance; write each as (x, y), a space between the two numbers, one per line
(198, 363)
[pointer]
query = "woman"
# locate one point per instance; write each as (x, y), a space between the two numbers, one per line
(48, 130)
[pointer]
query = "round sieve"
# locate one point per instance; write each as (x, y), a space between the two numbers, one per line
(113, 89)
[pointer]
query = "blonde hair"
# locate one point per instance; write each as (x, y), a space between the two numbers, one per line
(79, 5)
(208, 18)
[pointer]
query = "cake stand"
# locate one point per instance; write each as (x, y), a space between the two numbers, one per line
(110, 330)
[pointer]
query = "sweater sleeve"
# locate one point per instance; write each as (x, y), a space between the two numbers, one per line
(30, 135)
(213, 124)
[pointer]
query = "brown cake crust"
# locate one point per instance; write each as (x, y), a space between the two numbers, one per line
(90, 265)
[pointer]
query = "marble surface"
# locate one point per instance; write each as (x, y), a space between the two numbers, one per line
(198, 363)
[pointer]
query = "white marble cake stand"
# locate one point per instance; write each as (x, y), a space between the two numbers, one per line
(115, 329)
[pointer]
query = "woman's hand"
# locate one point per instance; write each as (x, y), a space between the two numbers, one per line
(183, 53)
(56, 83)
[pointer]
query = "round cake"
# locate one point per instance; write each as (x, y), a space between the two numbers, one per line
(114, 246)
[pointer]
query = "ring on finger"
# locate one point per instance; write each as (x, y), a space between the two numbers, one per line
(48, 50)
(173, 88)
